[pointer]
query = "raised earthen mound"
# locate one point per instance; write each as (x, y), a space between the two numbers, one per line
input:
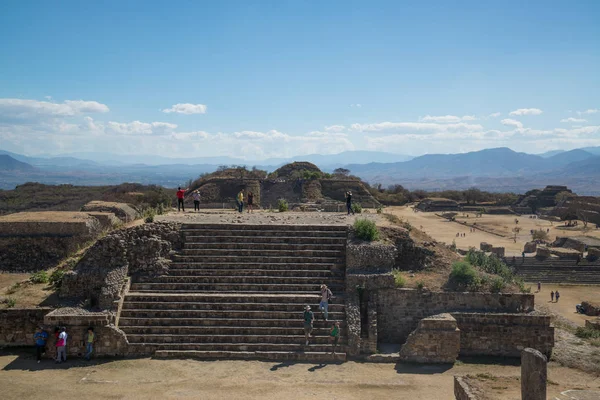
(123, 211)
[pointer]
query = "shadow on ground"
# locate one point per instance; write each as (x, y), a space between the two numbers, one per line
(25, 361)
(313, 367)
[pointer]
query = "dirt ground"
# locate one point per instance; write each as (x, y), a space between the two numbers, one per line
(569, 297)
(21, 378)
(502, 225)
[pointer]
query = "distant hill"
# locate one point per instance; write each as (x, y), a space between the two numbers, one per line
(7, 163)
(551, 153)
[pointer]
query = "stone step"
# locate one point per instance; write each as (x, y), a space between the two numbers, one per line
(263, 233)
(262, 253)
(274, 227)
(268, 298)
(232, 339)
(310, 356)
(242, 314)
(277, 239)
(265, 307)
(235, 280)
(233, 287)
(267, 347)
(257, 258)
(246, 322)
(314, 273)
(339, 248)
(256, 266)
(226, 330)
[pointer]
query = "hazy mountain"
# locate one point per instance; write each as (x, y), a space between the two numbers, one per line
(551, 153)
(566, 157)
(7, 163)
(593, 150)
(587, 167)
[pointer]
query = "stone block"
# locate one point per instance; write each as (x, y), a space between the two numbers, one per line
(370, 257)
(534, 375)
(593, 253)
(543, 252)
(530, 247)
(497, 251)
(483, 246)
(436, 340)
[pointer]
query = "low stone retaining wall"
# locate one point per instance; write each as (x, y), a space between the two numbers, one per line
(463, 390)
(400, 310)
(17, 325)
(110, 341)
(370, 257)
(436, 340)
(503, 334)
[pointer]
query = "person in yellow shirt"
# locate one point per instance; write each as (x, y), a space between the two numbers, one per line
(240, 201)
(89, 343)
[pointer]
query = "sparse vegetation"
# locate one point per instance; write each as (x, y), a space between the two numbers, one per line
(379, 210)
(10, 302)
(420, 285)
(366, 230)
(540, 235)
(282, 205)
(497, 285)
(39, 277)
(56, 277)
(587, 333)
(463, 276)
(13, 289)
(356, 208)
(399, 279)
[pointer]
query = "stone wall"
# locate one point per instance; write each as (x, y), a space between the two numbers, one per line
(17, 325)
(503, 334)
(400, 310)
(110, 341)
(123, 211)
(141, 250)
(370, 257)
(463, 390)
(436, 340)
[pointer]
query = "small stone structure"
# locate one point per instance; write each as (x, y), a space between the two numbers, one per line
(590, 308)
(543, 252)
(593, 254)
(483, 246)
(498, 251)
(530, 247)
(534, 375)
(565, 253)
(123, 211)
(436, 340)
(593, 324)
(463, 390)
(17, 325)
(32, 241)
(438, 205)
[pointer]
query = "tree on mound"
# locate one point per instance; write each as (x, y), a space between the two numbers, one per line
(298, 170)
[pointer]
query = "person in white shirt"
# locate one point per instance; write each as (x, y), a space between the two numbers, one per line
(61, 347)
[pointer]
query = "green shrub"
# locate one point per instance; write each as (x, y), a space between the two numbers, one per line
(463, 275)
(282, 205)
(56, 277)
(379, 210)
(366, 230)
(356, 208)
(497, 285)
(39, 277)
(398, 278)
(587, 333)
(13, 288)
(420, 285)
(10, 302)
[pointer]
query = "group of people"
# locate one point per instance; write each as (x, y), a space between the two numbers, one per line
(181, 197)
(41, 338)
(309, 318)
(249, 201)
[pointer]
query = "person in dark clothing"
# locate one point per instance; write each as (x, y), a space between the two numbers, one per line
(349, 202)
(552, 296)
(250, 201)
(180, 197)
(557, 296)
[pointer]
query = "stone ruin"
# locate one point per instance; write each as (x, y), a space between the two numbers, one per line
(438, 205)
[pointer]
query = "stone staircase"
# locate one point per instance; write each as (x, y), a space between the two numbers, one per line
(556, 270)
(238, 291)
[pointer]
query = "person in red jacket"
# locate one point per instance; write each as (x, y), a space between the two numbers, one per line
(180, 196)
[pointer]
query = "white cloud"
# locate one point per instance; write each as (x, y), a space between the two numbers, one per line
(512, 122)
(19, 109)
(141, 128)
(447, 118)
(190, 135)
(186, 108)
(590, 111)
(526, 111)
(417, 127)
(357, 105)
(571, 119)
(335, 128)
(495, 115)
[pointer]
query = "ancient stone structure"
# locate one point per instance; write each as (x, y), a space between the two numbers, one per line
(17, 325)
(593, 254)
(483, 246)
(123, 211)
(436, 340)
(590, 308)
(32, 241)
(463, 390)
(438, 205)
(497, 251)
(534, 375)
(593, 324)
(555, 270)
(370, 257)
(530, 247)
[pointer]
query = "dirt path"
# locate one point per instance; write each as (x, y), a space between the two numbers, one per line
(21, 378)
(445, 231)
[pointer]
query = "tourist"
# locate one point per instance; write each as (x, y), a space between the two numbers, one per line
(180, 196)
(557, 295)
(89, 347)
(552, 296)
(539, 287)
(61, 346)
(578, 259)
(334, 334)
(240, 201)
(40, 336)
(196, 197)
(523, 255)
(326, 295)
(349, 202)
(250, 201)
(309, 318)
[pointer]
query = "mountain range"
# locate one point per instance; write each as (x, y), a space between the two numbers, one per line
(498, 169)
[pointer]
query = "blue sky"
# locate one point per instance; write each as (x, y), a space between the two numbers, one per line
(283, 78)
